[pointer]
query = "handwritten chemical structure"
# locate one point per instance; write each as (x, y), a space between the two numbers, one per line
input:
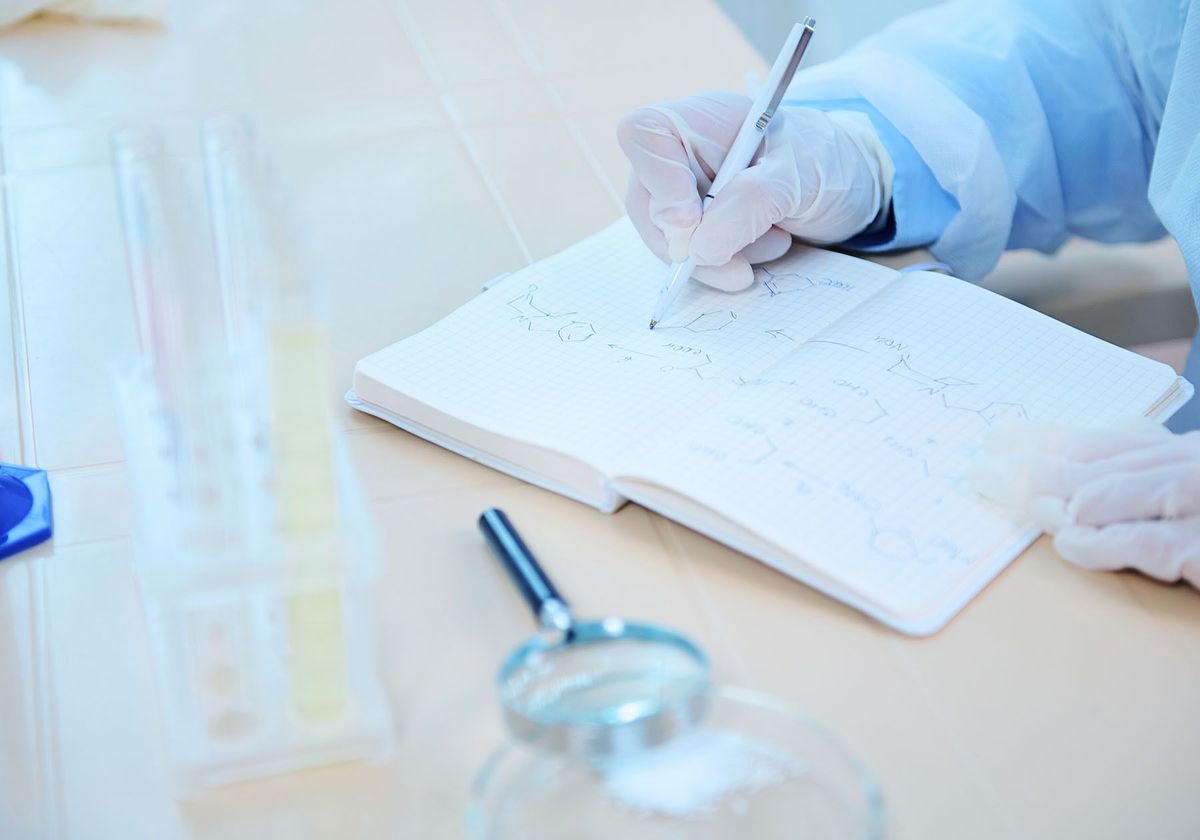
(928, 384)
(935, 458)
(576, 331)
(761, 448)
(706, 322)
(699, 367)
(743, 382)
(805, 481)
(943, 387)
(995, 413)
(536, 318)
(783, 283)
(628, 355)
(528, 310)
(892, 543)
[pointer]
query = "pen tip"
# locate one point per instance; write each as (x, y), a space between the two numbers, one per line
(652, 324)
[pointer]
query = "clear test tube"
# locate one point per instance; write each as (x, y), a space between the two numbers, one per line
(307, 497)
(263, 634)
(277, 263)
(139, 163)
(268, 289)
(183, 335)
(233, 175)
(199, 533)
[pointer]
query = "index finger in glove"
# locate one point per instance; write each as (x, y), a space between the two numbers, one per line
(675, 149)
(731, 277)
(662, 165)
(637, 205)
(752, 203)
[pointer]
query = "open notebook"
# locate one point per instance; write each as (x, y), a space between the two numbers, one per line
(820, 421)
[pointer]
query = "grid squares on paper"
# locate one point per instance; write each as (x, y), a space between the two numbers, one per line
(559, 354)
(831, 411)
(854, 454)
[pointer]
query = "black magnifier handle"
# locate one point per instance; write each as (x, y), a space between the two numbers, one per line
(548, 606)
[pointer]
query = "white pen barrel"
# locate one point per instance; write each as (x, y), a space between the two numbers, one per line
(677, 278)
(750, 135)
(745, 146)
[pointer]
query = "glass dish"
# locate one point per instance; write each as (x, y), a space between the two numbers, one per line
(757, 768)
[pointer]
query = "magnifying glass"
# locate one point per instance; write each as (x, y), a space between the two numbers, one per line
(592, 688)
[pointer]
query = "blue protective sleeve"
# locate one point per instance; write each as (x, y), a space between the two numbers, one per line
(1038, 116)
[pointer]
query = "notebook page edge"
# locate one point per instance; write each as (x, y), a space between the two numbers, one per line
(482, 450)
(689, 513)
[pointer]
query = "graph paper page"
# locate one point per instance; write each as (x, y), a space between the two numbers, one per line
(559, 353)
(851, 453)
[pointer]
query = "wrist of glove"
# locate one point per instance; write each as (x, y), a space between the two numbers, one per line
(1113, 499)
(823, 177)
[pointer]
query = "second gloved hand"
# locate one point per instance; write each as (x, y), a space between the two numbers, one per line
(823, 177)
(1113, 498)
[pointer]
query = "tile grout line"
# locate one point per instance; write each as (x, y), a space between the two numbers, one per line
(97, 466)
(663, 529)
(529, 54)
(509, 24)
(492, 188)
(26, 438)
(43, 691)
(400, 13)
(593, 161)
(41, 685)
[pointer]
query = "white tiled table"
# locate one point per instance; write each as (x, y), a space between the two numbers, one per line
(433, 145)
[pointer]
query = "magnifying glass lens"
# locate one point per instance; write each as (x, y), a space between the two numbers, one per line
(606, 682)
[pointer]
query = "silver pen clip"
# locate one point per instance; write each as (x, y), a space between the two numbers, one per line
(786, 79)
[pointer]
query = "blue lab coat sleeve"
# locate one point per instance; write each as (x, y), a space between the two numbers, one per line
(1036, 117)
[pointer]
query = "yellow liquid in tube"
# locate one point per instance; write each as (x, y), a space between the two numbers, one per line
(306, 496)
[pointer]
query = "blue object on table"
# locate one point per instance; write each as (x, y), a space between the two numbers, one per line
(24, 508)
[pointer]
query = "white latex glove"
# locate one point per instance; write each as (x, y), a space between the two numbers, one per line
(824, 177)
(12, 11)
(1114, 499)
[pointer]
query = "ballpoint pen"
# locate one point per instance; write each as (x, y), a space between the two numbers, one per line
(748, 139)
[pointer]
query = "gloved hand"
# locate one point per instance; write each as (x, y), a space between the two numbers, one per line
(824, 177)
(1119, 498)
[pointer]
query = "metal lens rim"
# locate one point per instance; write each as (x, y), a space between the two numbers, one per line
(596, 738)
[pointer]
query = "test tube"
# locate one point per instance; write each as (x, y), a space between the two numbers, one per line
(262, 281)
(138, 160)
(307, 498)
(266, 288)
(231, 176)
(182, 336)
(199, 498)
